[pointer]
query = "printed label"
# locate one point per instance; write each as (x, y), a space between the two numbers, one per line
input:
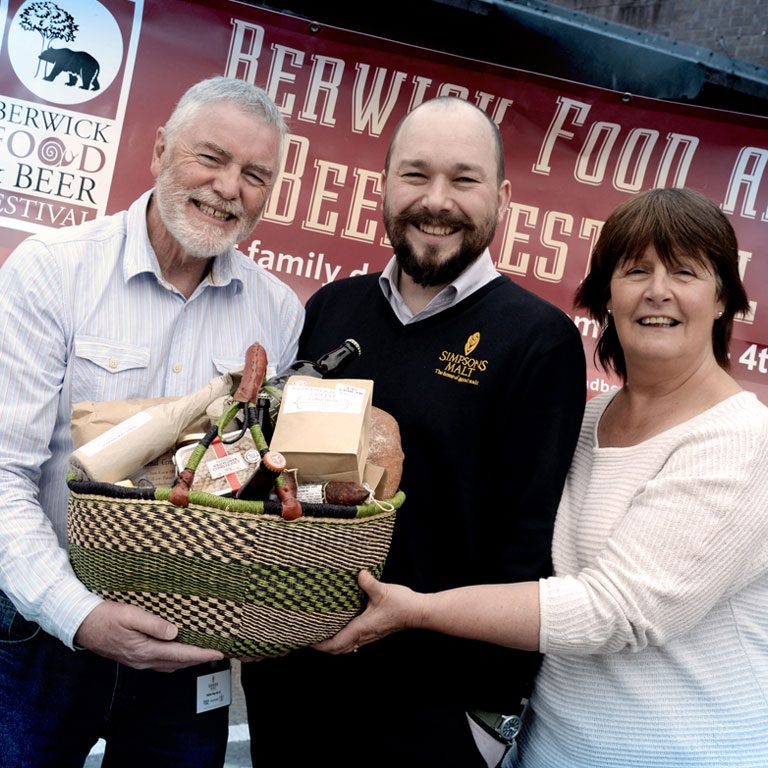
(159, 471)
(299, 397)
(115, 434)
(310, 494)
(214, 691)
(226, 465)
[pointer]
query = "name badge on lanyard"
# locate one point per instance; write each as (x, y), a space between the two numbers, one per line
(214, 690)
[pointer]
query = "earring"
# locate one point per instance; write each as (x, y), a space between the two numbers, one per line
(719, 314)
(610, 312)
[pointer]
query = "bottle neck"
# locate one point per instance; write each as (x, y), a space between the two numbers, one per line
(331, 362)
(338, 359)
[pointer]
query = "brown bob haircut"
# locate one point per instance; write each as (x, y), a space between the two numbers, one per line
(678, 223)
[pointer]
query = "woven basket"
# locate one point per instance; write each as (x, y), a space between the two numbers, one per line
(232, 575)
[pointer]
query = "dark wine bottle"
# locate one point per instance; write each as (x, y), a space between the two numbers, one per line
(263, 417)
(263, 480)
(331, 364)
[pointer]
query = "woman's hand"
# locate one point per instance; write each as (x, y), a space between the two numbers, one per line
(505, 614)
(391, 607)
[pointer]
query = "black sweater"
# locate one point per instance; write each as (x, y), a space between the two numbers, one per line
(488, 436)
(489, 396)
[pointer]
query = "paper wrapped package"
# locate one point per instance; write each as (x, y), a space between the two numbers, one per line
(122, 450)
(323, 426)
(91, 418)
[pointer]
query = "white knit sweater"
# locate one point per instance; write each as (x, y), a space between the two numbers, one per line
(655, 627)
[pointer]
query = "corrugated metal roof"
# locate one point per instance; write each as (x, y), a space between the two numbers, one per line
(544, 38)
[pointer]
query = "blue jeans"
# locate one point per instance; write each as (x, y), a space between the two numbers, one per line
(56, 703)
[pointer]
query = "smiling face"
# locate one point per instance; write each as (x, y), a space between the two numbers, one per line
(664, 314)
(442, 197)
(213, 178)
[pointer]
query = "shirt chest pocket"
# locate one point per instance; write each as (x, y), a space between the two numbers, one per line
(104, 369)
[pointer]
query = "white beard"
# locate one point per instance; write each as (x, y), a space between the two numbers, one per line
(198, 239)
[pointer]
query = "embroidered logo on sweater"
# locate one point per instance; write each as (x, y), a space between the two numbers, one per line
(464, 368)
(472, 342)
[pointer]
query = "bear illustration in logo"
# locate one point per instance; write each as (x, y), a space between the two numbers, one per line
(78, 64)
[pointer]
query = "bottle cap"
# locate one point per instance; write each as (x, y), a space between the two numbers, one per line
(273, 461)
(356, 345)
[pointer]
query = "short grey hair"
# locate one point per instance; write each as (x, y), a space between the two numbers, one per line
(249, 98)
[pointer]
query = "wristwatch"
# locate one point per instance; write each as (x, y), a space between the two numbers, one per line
(505, 728)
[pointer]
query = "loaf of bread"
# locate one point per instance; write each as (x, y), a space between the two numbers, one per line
(385, 450)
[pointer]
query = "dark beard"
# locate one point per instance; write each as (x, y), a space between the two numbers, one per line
(426, 270)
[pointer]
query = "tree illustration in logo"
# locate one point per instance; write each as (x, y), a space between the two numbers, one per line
(51, 22)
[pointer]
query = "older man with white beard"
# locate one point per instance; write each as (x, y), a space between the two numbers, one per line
(153, 301)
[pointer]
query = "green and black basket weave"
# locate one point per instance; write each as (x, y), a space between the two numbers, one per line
(231, 574)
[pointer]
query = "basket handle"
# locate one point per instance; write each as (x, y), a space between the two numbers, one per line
(254, 371)
(181, 488)
(253, 374)
(245, 397)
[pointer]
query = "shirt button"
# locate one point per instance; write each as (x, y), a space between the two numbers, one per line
(113, 362)
(177, 368)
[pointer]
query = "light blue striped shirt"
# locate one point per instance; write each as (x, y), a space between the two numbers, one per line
(85, 314)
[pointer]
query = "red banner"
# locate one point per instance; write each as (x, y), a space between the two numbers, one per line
(85, 84)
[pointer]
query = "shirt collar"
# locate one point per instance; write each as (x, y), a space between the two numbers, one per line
(475, 276)
(140, 256)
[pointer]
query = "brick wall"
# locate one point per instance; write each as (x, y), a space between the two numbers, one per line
(736, 28)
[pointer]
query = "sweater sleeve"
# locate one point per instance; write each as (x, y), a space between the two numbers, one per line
(693, 534)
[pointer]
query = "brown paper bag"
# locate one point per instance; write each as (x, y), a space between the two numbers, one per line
(375, 478)
(322, 427)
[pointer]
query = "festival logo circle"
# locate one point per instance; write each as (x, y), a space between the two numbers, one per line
(65, 51)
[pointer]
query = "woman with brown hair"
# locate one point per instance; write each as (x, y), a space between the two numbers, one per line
(655, 624)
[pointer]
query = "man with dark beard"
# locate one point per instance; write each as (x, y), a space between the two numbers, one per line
(152, 301)
(487, 382)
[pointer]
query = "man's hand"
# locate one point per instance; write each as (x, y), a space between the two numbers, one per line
(132, 636)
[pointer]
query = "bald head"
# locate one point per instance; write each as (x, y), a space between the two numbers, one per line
(487, 130)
